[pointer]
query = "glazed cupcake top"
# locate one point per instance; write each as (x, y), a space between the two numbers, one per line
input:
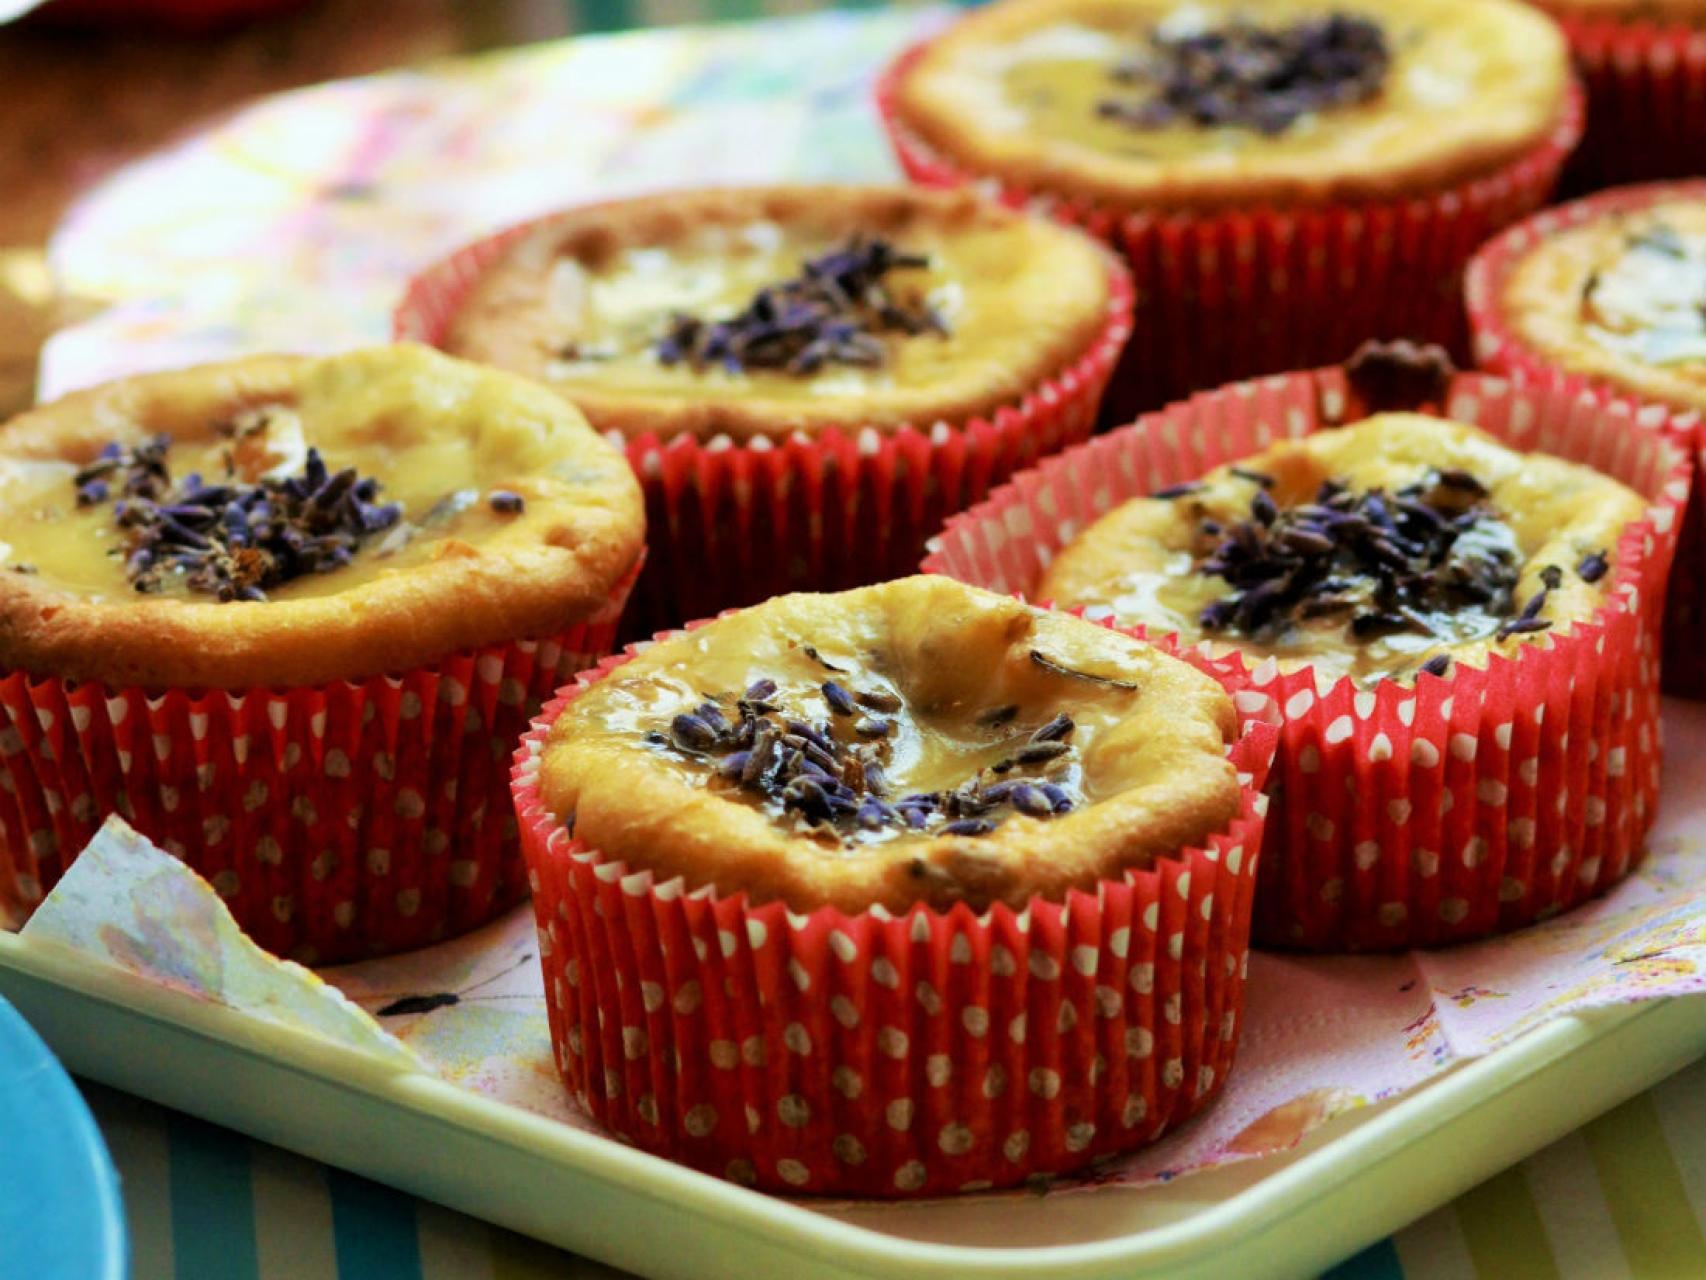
(918, 741)
(280, 520)
(766, 312)
(1621, 298)
(1398, 545)
(1216, 103)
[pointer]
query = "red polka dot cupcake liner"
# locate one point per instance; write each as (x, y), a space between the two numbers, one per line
(1234, 294)
(1412, 816)
(1500, 349)
(733, 524)
(337, 822)
(894, 1055)
(1646, 89)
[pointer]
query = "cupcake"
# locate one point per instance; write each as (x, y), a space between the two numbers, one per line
(1643, 63)
(901, 891)
(1612, 289)
(288, 617)
(1455, 610)
(1285, 181)
(806, 379)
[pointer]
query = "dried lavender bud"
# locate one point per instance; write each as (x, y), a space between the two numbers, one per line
(1176, 491)
(1038, 752)
(1437, 665)
(1030, 799)
(839, 700)
(969, 827)
(1060, 727)
(1249, 76)
(840, 788)
(233, 540)
(1057, 797)
(1529, 620)
(1552, 576)
(830, 314)
(1254, 477)
(1593, 567)
(714, 718)
(693, 733)
(1388, 563)
(506, 503)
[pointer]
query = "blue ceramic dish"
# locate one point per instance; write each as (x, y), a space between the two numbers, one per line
(60, 1213)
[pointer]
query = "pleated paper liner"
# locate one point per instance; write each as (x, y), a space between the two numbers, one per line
(734, 524)
(1236, 293)
(1646, 87)
(882, 1055)
(1501, 349)
(1460, 807)
(338, 822)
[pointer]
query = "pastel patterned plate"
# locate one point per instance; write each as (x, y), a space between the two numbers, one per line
(60, 1214)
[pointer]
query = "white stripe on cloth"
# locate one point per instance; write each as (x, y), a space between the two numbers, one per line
(293, 1216)
(1572, 1207)
(136, 1139)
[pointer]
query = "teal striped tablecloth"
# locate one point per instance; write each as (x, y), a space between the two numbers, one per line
(1621, 1198)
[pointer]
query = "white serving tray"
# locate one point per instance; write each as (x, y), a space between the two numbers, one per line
(1351, 1183)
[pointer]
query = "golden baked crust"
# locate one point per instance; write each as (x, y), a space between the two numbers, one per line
(1154, 777)
(1140, 559)
(469, 584)
(1473, 85)
(1597, 301)
(583, 277)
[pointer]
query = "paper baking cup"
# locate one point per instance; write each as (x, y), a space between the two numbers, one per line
(1501, 349)
(338, 822)
(882, 1055)
(1413, 816)
(1646, 87)
(1237, 293)
(733, 524)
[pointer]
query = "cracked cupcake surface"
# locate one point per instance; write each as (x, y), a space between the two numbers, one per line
(763, 312)
(918, 741)
(1386, 548)
(281, 521)
(1620, 297)
(1192, 105)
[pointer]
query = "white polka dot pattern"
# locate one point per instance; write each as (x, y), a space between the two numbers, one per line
(1544, 765)
(322, 816)
(910, 1062)
(1321, 279)
(851, 507)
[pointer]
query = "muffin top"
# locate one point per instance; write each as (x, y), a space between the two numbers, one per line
(1621, 298)
(1166, 103)
(770, 311)
(283, 521)
(1383, 549)
(918, 741)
